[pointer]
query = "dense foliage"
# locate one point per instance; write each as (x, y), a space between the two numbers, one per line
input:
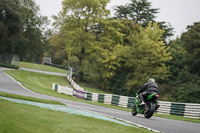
(119, 54)
(22, 29)
(185, 74)
(106, 47)
(142, 12)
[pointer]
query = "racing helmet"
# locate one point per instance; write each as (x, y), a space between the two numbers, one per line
(151, 80)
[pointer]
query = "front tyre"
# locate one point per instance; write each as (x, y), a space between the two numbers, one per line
(134, 110)
(149, 110)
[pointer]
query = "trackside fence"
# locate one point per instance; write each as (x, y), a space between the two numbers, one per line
(170, 108)
(9, 58)
(189, 110)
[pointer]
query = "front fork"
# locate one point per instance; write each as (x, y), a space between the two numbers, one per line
(137, 102)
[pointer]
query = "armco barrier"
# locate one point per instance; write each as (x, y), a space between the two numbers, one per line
(95, 97)
(101, 98)
(62, 89)
(80, 94)
(107, 98)
(73, 84)
(169, 108)
(164, 108)
(89, 96)
(183, 109)
(122, 101)
(115, 100)
(131, 102)
(192, 111)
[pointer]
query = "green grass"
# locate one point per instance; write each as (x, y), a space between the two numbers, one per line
(20, 118)
(92, 88)
(41, 67)
(38, 82)
(29, 98)
(42, 83)
(176, 117)
(88, 87)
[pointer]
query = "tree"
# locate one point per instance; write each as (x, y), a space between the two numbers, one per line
(184, 79)
(11, 25)
(24, 29)
(138, 10)
(35, 33)
(147, 56)
(142, 12)
(3, 35)
(56, 48)
(122, 12)
(178, 61)
(191, 43)
(90, 36)
(106, 47)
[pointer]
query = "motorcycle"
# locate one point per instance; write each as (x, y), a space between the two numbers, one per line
(150, 106)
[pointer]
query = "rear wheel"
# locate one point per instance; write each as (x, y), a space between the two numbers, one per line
(149, 110)
(134, 110)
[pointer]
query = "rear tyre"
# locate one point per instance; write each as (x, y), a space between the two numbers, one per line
(134, 110)
(149, 110)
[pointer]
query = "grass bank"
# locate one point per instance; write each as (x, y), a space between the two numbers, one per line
(89, 87)
(92, 88)
(41, 67)
(176, 117)
(20, 118)
(29, 98)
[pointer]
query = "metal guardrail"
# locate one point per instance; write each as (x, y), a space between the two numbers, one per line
(189, 110)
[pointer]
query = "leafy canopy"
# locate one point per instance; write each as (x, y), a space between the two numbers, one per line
(148, 55)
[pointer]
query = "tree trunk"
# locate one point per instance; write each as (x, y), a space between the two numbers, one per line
(79, 76)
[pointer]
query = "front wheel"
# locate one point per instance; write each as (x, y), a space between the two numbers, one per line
(149, 110)
(134, 110)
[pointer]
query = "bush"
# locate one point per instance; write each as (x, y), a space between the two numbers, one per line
(9, 66)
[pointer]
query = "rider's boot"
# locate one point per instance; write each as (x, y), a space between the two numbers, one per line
(142, 103)
(141, 100)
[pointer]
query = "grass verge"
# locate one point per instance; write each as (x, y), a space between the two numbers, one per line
(29, 98)
(20, 118)
(92, 88)
(41, 67)
(42, 83)
(176, 117)
(89, 87)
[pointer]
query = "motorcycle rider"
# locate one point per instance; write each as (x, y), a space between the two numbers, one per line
(146, 89)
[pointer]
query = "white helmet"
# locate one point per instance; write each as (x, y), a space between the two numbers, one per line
(151, 80)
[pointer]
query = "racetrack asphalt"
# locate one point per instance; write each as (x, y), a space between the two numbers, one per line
(9, 85)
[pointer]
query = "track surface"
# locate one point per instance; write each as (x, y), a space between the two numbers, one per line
(7, 84)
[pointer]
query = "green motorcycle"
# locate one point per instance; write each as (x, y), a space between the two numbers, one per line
(150, 106)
